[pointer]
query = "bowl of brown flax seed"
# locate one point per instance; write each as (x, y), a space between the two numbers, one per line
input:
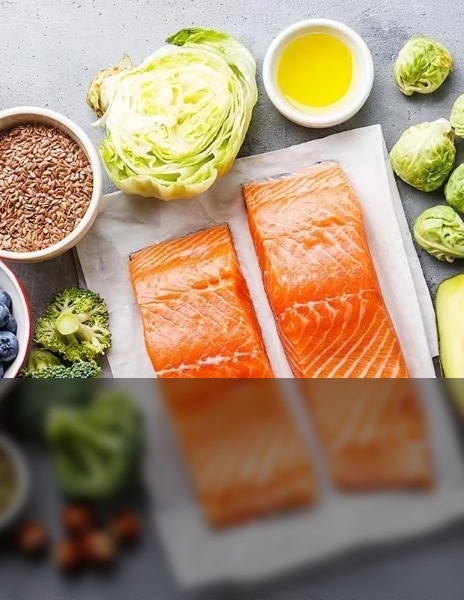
(50, 184)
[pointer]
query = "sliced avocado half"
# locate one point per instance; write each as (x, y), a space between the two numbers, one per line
(449, 303)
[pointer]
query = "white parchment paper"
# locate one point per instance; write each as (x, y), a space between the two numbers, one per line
(130, 223)
(196, 554)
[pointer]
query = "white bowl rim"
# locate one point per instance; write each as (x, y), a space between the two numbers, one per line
(340, 114)
(94, 160)
(23, 480)
(25, 309)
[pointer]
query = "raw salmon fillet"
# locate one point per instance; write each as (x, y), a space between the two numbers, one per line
(319, 276)
(244, 453)
(374, 432)
(197, 314)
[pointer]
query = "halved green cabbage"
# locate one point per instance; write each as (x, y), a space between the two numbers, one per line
(176, 122)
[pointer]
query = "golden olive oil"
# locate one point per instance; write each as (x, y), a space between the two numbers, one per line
(315, 70)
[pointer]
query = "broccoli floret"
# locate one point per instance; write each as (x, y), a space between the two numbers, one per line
(82, 369)
(42, 364)
(76, 325)
(40, 360)
(96, 448)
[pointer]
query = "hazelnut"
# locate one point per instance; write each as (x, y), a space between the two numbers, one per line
(77, 518)
(67, 555)
(32, 538)
(98, 548)
(125, 527)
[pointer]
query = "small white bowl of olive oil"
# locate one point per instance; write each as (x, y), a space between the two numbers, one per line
(318, 73)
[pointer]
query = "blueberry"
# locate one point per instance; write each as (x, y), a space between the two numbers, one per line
(5, 299)
(10, 325)
(4, 315)
(8, 346)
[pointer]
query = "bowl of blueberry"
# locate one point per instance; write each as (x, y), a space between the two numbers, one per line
(15, 324)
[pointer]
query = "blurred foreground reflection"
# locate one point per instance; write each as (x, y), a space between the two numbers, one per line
(373, 433)
(247, 456)
(249, 478)
(244, 451)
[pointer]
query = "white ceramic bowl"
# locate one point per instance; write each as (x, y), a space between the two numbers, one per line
(30, 114)
(22, 473)
(22, 313)
(350, 104)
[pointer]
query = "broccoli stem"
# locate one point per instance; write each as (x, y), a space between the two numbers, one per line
(66, 424)
(67, 324)
(71, 327)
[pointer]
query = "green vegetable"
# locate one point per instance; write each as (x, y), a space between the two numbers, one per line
(41, 360)
(440, 231)
(454, 189)
(96, 449)
(457, 116)
(450, 324)
(424, 155)
(100, 91)
(42, 364)
(75, 325)
(176, 122)
(455, 386)
(422, 66)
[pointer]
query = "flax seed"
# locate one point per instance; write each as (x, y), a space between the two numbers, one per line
(45, 187)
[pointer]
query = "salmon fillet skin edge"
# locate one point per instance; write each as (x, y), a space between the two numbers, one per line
(197, 314)
(319, 276)
(244, 453)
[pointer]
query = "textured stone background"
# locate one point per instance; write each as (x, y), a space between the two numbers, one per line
(49, 51)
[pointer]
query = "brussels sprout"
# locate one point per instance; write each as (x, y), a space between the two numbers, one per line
(440, 231)
(457, 116)
(454, 189)
(424, 155)
(422, 66)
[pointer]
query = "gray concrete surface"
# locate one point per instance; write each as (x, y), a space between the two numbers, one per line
(49, 51)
